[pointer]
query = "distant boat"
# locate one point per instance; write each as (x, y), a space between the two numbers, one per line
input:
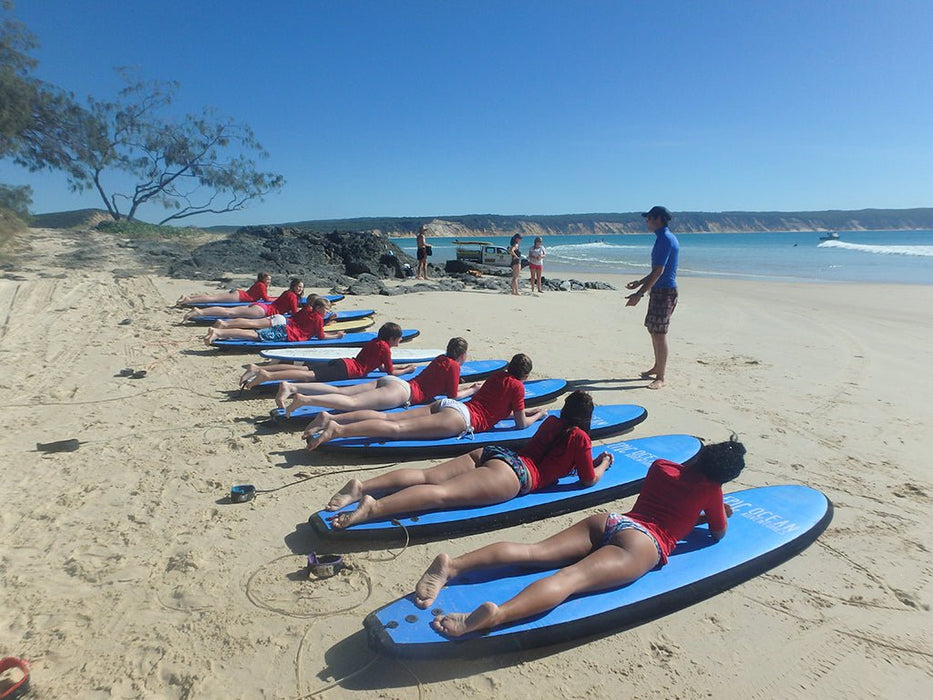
(831, 236)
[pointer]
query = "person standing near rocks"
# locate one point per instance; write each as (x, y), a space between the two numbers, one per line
(661, 283)
(516, 261)
(422, 271)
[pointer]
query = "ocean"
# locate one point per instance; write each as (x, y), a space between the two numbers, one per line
(857, 256)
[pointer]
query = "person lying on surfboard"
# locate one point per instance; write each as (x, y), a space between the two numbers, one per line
(607, 550)
(258, 292)
(275, 319)
(440, 377)
(286, 303)
(484, 476)
(501, 395)
(307, 323)
(375, 354)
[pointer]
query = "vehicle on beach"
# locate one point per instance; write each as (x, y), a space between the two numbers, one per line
(831, 236)
(483, 252)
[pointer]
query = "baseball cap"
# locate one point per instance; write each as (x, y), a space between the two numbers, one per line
(659, 213)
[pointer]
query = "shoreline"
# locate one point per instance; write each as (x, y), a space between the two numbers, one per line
(127, 571)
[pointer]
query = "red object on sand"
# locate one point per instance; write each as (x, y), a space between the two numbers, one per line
(21, 687)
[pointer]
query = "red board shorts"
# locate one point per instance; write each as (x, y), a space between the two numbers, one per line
(661, 304)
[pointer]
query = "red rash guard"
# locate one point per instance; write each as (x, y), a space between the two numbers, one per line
(374, 354)
(499, 397)
(671, 500)
(442, 376)
(304, 325)
(547, 460)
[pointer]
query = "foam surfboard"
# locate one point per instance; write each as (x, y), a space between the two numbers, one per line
(537, 392)
(349, 340)
(607, 421)
(769, 525)
(630, 465)
(332, 298)
(318, 355)
(353, 315)
(470, 371)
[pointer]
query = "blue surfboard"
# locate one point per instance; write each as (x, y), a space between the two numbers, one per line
(769, 525)
(350, 340)
(470, 371)
(630, 465)
(332, 298)
(606, 421)
(316, 356)
(537, 392)
(330, 317)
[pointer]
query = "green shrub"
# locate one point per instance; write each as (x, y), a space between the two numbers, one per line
(140, 229)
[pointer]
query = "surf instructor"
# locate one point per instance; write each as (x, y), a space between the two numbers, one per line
(661, 285)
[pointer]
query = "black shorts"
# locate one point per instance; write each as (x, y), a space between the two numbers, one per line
(333, 371)
(422, 253)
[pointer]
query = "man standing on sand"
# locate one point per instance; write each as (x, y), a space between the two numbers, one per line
(662, 285)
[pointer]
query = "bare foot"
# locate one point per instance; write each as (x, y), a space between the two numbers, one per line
(209, 338)
(191, 315)
(182, 301)
(250, 372)
(457, 624)
(328, 433)
(316, 425)
(286, 389)
(432, 581)
(299, 400)
(351, 493)
(656, 384)
(649, 373)
(362, 513)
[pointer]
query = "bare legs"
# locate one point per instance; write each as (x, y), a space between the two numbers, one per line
(252, 311)
(216, 298)
(458, 483)
(422, 423)
(659, 345)
(516, 270)
(587, 568)
(218, 334)
(536, 276)
(376, 396)
(248, 323)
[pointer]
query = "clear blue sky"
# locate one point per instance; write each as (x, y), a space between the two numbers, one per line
(436, 107)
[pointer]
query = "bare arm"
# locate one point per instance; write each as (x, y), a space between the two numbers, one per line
(716, 534)
(525, 418)
(602, 463)
(334, 335)
(402, 369)
(643, 285)
(468, 390)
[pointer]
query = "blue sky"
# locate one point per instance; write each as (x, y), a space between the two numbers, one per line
(436, 107)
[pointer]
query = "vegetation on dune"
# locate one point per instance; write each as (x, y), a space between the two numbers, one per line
(190, 165)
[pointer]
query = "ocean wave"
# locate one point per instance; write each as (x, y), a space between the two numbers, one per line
(921, 251)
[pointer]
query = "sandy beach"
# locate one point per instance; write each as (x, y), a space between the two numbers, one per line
(125, 572)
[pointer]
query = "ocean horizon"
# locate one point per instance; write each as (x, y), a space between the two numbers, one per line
(889, 257)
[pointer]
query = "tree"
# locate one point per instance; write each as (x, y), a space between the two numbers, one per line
(194, 165)
(17, 88)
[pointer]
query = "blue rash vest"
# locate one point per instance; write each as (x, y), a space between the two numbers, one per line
(664, 254)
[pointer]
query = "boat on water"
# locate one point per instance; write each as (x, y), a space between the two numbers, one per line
(831, 236)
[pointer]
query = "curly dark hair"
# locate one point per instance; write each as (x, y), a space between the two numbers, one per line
(722, 461)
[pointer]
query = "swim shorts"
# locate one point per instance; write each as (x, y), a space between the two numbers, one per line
(511, 458)
(616, 523)
(333, 371)
(661, 303)
(275, 334)
(422, 253)
(390, 378)
(462, 410)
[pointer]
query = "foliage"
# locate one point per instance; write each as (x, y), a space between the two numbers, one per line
(17, 88)
(16, 199)
(194, 165)
(140, 229)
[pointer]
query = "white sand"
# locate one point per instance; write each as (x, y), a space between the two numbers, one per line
(125, 574)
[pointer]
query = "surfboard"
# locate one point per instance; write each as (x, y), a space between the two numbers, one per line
(319, 355)
(332, 298)
(630, 465)
(470, 371)
(353, 315)
(607, 421)
(769, 525)
(349, 340)
(537, 392)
